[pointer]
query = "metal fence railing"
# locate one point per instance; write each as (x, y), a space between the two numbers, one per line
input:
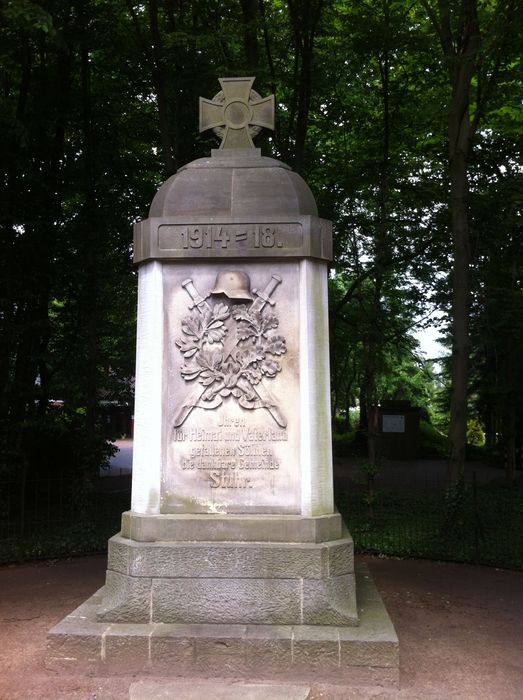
(50, 517)
(480, 524)
(483, 524)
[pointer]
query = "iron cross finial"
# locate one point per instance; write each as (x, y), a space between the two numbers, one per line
(237, 113)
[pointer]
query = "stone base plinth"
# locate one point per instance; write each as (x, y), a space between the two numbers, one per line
(223, 582)
(230, 528)
(256, 597)
(363, 654)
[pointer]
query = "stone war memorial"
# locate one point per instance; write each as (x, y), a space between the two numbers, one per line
(232, 561)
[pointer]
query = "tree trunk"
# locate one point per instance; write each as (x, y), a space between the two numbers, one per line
(159, 75)
(305, 16)
(363, 419)
(152, 48)
(89, 222)
(372, 409)
(267, 45)
(510, 361)
(460, 316)
(29, 294)
(509, 444)
(460, 47)
(250, 33)
(375, 338)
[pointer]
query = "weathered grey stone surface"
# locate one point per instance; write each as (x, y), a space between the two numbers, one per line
(230, 582)
(341, 556)
(230, 601)
(237, 114)
(196, 690)
(230, 559)
(367, 653)
(126, 599)
(231, 184)
(229, 459)
(75, 643)
(234, 189)
(230, 528)
(261, 217)
(119, 554)
(267, 646)
(330, 601)
(125, 647)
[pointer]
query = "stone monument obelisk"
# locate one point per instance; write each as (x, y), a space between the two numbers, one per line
(233, 559)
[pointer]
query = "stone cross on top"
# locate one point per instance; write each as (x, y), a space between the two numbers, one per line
(237, 113)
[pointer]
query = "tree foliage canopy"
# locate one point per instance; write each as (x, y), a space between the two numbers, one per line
(404, 117)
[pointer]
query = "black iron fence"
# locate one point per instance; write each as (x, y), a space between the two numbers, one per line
(483, 524)
(479, 523)
(59, 516)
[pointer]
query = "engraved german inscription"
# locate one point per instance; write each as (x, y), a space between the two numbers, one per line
(229, 454)
(230, 237)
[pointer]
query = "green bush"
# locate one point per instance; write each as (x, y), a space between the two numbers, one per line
(57, 444)
(475, 433)
(71, 540)
(62, 526)
(342, 444)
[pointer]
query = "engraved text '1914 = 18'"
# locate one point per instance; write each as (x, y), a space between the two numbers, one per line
(229, 236)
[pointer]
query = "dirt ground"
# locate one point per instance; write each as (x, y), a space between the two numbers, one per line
(460, 629)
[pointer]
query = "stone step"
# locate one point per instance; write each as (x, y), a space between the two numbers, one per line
(362, 655)
(222, 690)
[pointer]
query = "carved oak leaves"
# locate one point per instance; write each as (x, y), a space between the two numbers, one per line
(227, 364)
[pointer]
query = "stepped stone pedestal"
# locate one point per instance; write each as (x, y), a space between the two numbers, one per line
(220, 580)
(232, 560)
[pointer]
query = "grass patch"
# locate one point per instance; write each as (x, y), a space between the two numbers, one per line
(432, 443)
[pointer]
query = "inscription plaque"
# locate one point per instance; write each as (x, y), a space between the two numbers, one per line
(194, 237)
(230, 440)
(393, 423)
(231, 237)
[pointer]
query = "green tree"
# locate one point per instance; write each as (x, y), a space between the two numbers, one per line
(100, 105)
(477, 42)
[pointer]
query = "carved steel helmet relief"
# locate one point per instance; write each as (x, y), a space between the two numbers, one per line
(230, 349)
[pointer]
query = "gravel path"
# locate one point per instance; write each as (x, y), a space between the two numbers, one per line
(460, 630)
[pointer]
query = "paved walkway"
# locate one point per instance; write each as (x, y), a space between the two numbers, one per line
(410, 475)
(459, 627)
(121, 463)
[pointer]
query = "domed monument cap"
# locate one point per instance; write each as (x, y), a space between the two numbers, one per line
(235, 203)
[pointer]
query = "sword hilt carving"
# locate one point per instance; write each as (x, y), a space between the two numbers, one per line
(264, 297)
(191, 290)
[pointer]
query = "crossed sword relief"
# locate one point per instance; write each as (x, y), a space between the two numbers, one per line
(230, 342)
